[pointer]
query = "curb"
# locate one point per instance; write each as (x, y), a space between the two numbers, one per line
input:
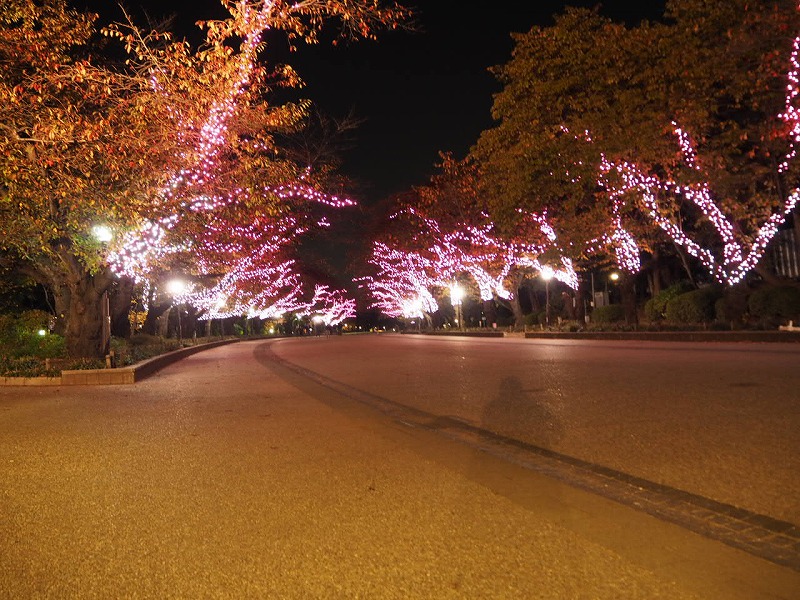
(672, 336)
(465, 333)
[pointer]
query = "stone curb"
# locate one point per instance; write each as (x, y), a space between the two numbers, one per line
(466, 333)
(671, 336)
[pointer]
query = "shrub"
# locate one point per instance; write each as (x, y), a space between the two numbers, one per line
(19, 336)
(144, 339)
(612, 313)
(534, 318)
(775, 303)
(697, 306)
(31, 321)
(655, 308)
(49, 345)
(27, 366)
(8, 330)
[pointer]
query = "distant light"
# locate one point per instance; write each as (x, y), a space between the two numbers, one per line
(547, 273)
(456, 294)
(42, 332)
(102, 233)
(614, 276)
(175, 287)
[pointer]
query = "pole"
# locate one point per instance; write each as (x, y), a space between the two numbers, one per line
(105, 311)
(547, 301)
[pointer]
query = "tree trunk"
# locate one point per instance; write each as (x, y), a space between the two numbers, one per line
(628, 292)
(151, 324)
(121, 297)
(84, 324)
(796, 223)
(490, 312)
(513, 303)
(685, 263)
(654, 276)
(162, 322)
(61, 301)
(580, 302)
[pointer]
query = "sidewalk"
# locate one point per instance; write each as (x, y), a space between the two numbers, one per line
(227, 477)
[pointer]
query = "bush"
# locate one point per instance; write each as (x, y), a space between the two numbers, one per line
(655, 309)
(533, 319)
(49, 345)
(27, 366)
(612, 313)
(732, 307)
(19, 336)
(775, 303)
(697, 306)
(144, 339)
(141, 346)
(31, 321)
(8, 330)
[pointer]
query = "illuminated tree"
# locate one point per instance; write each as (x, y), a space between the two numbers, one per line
(442, 237)
(603, 125)
(144, 146)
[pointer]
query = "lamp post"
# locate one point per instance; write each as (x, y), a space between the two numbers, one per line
(318, 322)
(104, 234)
(456, 296)
(547, 274)
(414, 311)
(613, 276)
(176, 287)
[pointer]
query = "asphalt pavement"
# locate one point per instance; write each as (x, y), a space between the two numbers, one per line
(230, 475)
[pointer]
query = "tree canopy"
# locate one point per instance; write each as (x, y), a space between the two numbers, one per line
(162, 142)
(693, 102)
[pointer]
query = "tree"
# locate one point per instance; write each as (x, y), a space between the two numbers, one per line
(140, 146)
(441, 238)
(78, 148)
(586, 98)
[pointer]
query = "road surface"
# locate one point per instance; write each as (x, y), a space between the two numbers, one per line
(385, 467)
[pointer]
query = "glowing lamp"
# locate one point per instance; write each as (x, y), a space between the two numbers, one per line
(102, 233)
(176, 287)
(456, 294)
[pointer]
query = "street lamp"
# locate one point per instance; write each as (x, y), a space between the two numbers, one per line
(547, 274)
(176, 287)
(613, 276)
(319, 322)
(104, 234)
(413, 310)
(456, 296)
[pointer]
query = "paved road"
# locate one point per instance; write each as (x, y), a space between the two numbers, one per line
(243, 473)
(719, 420)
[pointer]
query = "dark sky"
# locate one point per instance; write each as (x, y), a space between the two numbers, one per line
(419, 92)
